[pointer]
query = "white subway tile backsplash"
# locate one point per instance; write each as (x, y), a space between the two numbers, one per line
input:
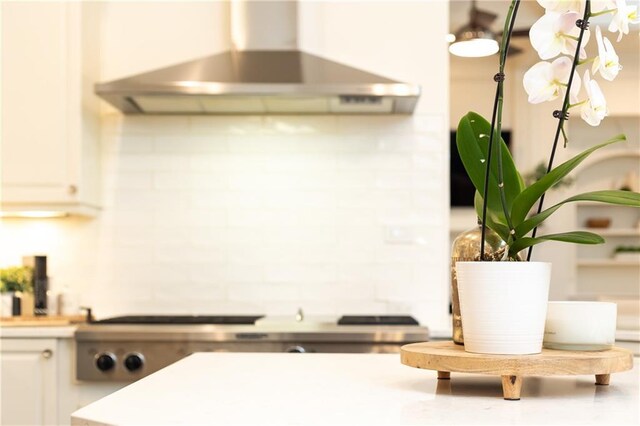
(356, 273)
(299, 253)
(362, 307)
(156, 162)
(244, 239)
(244, 273)
(301, 235)
(225, 125)
(205, 292)
(128, 144)
(132, 255)
(416, 143)
(398, 291)
(189, 180)
(309, 199)
(300, 273)
(128, 180)
(189, 218)
(206, 199)
(207, 272)
(300, 125)
(300, 162)
(252, 214)
(190, 144)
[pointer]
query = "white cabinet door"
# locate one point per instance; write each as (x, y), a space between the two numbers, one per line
(49, 120)
(28, 389)
(35, 134)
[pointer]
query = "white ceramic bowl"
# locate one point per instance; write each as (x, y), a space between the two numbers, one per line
(580, 326)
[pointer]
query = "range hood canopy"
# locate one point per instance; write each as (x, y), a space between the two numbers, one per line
(255, 78)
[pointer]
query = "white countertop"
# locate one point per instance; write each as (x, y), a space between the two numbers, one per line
(42, 332)
(285, 389)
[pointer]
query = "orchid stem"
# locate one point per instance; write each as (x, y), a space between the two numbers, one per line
(565, 108)
(496, 125)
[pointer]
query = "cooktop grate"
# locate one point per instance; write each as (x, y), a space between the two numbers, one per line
(182, 319)
(377, 320)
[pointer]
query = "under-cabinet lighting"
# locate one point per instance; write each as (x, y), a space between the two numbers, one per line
(33, 214)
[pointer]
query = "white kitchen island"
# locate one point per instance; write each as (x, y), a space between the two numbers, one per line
(352, 389)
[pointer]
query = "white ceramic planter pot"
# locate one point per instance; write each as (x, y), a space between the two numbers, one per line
(503, 306)
(6, 304)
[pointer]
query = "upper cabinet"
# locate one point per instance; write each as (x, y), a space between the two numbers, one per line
(50, 121)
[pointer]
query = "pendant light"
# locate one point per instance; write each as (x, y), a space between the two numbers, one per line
(475, 39)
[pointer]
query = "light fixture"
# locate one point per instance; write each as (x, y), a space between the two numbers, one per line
(475, 39)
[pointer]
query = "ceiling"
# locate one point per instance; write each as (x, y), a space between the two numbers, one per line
(528, 13)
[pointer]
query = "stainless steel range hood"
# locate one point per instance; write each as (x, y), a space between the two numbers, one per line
(263, 74)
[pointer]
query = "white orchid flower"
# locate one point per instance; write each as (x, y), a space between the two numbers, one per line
(624, 15)
(594, 109)
(607, 61)
(598, 6)
(547, 81)
(562, 5)
(555, 33)
(576, 5)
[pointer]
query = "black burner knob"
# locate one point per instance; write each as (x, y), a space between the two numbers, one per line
(105, 361)
(133, 362)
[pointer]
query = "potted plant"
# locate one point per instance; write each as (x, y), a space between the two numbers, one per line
(13, 280)
(503, 304)
(627, 253)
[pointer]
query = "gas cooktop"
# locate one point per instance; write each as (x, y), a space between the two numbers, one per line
(248, 319)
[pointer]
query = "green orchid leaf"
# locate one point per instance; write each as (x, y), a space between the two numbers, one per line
(472, 140)
(620, 198)
(527, 198)
(492, 220)
(576, 237)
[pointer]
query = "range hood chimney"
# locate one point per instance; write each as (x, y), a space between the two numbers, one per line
(265, 73)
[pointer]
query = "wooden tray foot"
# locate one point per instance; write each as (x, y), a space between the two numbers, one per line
(511, 387)
(602, 379)
(444, 375)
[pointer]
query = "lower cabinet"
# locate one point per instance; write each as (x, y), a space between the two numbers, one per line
(37, 382)
(29, 382)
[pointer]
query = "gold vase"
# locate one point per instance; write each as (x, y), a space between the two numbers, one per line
(466, 248)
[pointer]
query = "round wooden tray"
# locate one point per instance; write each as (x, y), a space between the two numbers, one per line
(447, 357)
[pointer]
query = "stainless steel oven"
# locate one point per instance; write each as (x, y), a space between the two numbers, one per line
(128, 348)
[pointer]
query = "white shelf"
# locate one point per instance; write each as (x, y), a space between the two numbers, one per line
(614, 232)
(607, 263)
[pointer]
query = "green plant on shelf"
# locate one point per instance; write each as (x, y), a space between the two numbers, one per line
(538, 173)
(627, 249)
(15, 278)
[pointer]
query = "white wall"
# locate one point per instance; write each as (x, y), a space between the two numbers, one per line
(143, 36)
(265, 214)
